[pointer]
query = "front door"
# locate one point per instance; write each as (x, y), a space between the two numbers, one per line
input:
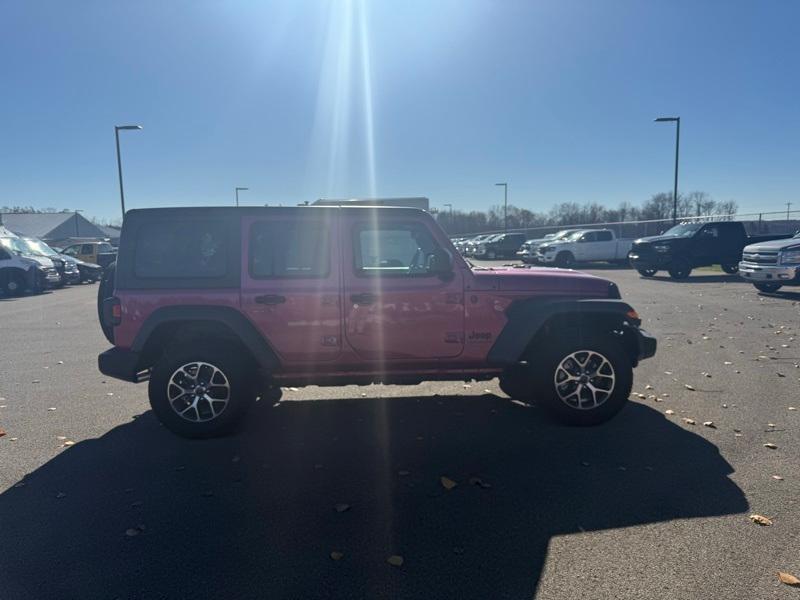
(291, 284)
(396, 306)
(587, 246)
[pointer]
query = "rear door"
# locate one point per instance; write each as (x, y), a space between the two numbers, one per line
(395, 308)
(291, 283)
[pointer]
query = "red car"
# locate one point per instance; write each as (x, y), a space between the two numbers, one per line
(217, 306)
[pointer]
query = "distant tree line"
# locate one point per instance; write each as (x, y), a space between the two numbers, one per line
(50, 210)
(659, 206)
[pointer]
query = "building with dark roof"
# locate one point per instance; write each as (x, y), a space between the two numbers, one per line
(53, 228)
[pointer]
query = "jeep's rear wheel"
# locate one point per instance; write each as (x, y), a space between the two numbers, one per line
(583, 379)
(201, 391)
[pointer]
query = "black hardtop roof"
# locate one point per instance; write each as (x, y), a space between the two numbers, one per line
(228, 211)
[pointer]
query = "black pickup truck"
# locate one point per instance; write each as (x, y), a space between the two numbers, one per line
(690, 245)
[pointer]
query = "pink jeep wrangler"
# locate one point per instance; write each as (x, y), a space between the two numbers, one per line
(218, 306)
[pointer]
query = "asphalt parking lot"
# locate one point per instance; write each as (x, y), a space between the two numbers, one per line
(647, 506)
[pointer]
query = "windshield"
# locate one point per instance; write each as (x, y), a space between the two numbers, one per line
(37, 247)
(564, 233)
(683, 230)
(14, 244)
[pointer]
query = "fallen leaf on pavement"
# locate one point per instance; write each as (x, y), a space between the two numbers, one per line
(133, 531)
(395, 560)
(60, 495)
(69, 443)
(336, 555)
(447, 483)
(52, 408)
(788, 579)
(342, 507)
(770, 445)
(669, 411)
(792, 408)
(777, 478)
(649, 387)
(2, 432)
(688, 387)
(709, 424)
(293, 389)
(761, 520)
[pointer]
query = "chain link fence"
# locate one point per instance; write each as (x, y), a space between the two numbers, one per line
(778, 222)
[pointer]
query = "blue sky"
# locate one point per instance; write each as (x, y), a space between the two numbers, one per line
(305, 99)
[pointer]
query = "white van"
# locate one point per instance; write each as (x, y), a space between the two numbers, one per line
(19, 271)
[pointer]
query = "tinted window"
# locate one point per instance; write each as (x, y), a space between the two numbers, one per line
(397, 250)
(72, 251)
(181, 250)
(604, 236)
(589, 237)
(86, 249)
(105, 248)
(289, 249)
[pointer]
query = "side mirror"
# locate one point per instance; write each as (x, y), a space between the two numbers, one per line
(440, 263)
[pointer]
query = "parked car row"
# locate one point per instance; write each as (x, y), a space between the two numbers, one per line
(29, 264)
(768, 261)
(563, 249)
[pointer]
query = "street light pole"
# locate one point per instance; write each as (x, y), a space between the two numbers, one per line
(237, 193)
(677, 121)
(505, 205)
(117, 129)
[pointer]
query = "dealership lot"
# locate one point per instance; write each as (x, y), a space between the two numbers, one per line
(648, 506)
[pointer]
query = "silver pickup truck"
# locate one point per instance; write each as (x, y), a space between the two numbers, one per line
(771, 265)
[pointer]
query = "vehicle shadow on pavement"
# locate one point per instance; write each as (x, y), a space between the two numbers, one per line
(255, 515)
(698, 279)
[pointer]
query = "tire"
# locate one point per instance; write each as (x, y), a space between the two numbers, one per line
(13, 283)
(679, 269)
(647, 272)
(573, 404)
(768, 288)
(215, 369)
(104, 291)
(565, 260)
(730, 269)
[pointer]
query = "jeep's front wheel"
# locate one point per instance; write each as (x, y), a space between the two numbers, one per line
(201, 391)
(583, 379)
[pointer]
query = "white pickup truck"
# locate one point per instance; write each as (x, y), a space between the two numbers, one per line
(585, 245)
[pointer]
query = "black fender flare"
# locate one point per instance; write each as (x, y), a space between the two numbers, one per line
(528, 318)
(227, 316)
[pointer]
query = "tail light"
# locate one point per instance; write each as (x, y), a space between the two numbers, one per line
(112, 311)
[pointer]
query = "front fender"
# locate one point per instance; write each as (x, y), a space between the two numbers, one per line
(527, 319)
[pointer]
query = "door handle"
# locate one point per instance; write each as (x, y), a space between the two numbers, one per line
(270, 299)
(365, 298)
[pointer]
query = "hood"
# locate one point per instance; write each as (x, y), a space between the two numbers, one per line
(542, 280)
(772, 245)
(43, 261)
(655, 239)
